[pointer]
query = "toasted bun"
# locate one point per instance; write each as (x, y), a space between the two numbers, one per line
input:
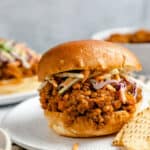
(83, 127)
(87, 54)
(18, 86)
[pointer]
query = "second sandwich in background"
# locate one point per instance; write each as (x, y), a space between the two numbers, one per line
(86, 90)
(18, 68)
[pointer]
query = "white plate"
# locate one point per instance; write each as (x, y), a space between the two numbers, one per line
(141, 50)
(17, 97)
(28, 128)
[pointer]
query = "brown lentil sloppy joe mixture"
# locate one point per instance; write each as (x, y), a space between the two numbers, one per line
(89, 94)
(141, 36)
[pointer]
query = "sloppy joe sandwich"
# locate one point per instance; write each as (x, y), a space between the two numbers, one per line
(18, 67)
(86, 88)
(140, 36)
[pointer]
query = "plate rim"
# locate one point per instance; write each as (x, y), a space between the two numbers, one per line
(16, 97)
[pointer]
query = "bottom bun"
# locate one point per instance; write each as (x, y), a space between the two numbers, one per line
(18, 86)
(83, 127)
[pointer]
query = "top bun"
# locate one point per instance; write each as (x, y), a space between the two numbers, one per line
(87, 54)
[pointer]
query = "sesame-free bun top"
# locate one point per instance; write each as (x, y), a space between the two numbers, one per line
(87, 54)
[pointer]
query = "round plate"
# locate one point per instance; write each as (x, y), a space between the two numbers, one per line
(28, 128)
(17, 97)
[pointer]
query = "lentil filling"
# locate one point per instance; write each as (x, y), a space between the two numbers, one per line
(95, 98)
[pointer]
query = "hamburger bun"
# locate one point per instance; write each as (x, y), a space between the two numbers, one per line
(84, 128)
(87, 54)
(19, 85)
